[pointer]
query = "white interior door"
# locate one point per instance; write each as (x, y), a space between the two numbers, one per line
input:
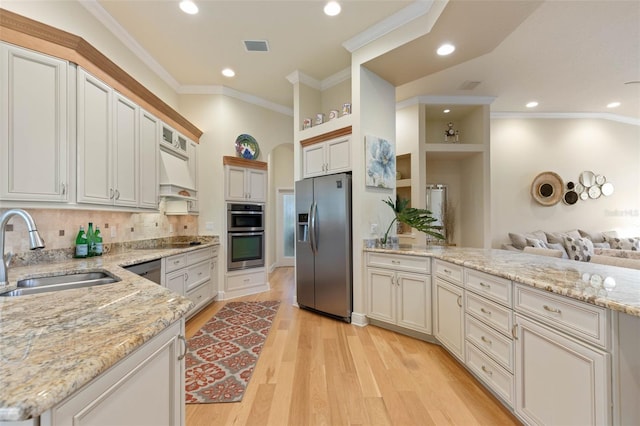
(285, 227)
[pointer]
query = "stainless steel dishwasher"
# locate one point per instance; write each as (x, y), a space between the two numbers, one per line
(150, 270)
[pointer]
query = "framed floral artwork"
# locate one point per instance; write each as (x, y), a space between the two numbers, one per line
(380, 163)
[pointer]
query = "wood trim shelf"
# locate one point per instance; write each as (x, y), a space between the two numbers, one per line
(243, 162)
(326, 136)
(34, 35)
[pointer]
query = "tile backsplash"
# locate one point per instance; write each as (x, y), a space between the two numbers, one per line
(59, 227)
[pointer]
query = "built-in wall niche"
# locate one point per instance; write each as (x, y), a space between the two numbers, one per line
(468, 122)
(463, 175)
(333, 104)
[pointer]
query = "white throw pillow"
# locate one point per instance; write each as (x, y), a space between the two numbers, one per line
(579, 248)
(623, 243)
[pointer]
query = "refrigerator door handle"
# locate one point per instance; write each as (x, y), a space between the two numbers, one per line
(312, 228)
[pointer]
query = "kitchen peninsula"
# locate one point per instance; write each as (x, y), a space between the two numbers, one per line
(57, 345)
(557, 341)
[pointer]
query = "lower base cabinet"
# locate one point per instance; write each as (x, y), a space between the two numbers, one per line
(448, 316)
(559, 380)
(145, 388)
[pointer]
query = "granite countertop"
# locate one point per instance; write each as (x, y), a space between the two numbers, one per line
(611, 287)
(51, 344)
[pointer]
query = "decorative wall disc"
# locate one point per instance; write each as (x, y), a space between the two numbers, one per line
(547, 188)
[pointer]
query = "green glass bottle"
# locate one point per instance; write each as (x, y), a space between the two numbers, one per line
(91, 241)
(82, 247)
(97, 238)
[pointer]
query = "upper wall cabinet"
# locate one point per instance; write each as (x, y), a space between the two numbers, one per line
(34, 126)
(327, 154)
(245, 180)
(107, 144)
(149, 164)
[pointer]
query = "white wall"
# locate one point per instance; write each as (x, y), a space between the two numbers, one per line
(523, 148)
(72, 17)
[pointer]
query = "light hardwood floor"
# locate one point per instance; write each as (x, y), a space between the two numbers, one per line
(315, 370)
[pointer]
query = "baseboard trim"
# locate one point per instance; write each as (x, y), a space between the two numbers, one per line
(359, 319)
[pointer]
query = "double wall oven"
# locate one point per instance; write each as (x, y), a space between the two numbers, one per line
(245, 236)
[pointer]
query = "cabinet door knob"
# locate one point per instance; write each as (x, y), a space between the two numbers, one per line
(514, 331)
(64, 188)
(111, 194)
(460, 301)
(484, 311)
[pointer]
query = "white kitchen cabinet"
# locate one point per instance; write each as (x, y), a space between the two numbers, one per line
(245, 184)
(448, 316)
(145, 388)
(192, 274)
(149, 160)
(192, 152)
(399, 291)
(328, 157)
(107, 139)
(34, 126)
(559, 380)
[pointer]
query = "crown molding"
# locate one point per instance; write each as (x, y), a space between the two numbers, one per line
(566, 115)
(299, 77)
(336, 78)
(121, 34)
(387, 25)
(232, 93)
(448, 100)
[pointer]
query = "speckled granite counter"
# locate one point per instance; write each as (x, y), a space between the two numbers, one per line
(578, 280)
(51, 344)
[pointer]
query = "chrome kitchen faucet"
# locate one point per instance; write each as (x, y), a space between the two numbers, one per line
(35, 242)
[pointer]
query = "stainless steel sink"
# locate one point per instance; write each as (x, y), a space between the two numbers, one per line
(60, 282)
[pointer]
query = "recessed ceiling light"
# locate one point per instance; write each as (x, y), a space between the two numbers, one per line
(446, 49)
(613, 105)
(228, 72)
(531, 104)
(187, 6)
(332, 8)
(447, 111)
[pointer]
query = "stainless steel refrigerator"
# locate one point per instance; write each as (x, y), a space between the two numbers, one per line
(323, 245)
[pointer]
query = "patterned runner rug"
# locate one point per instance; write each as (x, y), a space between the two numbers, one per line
(223, 353)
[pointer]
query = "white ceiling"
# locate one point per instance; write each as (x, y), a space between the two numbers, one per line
(570, 56)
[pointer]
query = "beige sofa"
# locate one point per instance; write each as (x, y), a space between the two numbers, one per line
(597, 247)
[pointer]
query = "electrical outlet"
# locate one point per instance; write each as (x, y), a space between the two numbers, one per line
(208, 226)
(114, 232)
(374, 228)
(171, 228)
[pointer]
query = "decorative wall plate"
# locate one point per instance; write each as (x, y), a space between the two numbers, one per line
(547, 188)
(247, 147)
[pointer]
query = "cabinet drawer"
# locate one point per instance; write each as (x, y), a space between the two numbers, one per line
(587, 322)
(490, 312)
(199, 295)
(197, 274)
(197, 256)
(448, 271)
(494, 344)
(488, 371)
(489, 286)
(175, 262)
(400, 262)
(241, 281)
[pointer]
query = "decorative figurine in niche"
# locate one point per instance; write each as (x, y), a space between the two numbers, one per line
(451, 133)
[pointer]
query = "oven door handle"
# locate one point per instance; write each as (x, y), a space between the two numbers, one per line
(312, 227)
(247, 212)
(245, 234)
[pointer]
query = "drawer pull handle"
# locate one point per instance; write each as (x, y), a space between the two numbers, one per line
(176, 262)
(484, 311)
(460, 301)
(487, 341)
(550, 309)
(395, 262)
(486, 370)
(446, 271)
(483, 285)
(184, 342)
(246, 280)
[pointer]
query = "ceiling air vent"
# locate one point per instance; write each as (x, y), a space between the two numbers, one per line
(469, 85)
(256, 45)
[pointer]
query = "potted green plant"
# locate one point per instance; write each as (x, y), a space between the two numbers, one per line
(419, 219)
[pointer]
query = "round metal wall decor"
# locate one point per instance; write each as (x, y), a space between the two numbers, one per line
(547, 188)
